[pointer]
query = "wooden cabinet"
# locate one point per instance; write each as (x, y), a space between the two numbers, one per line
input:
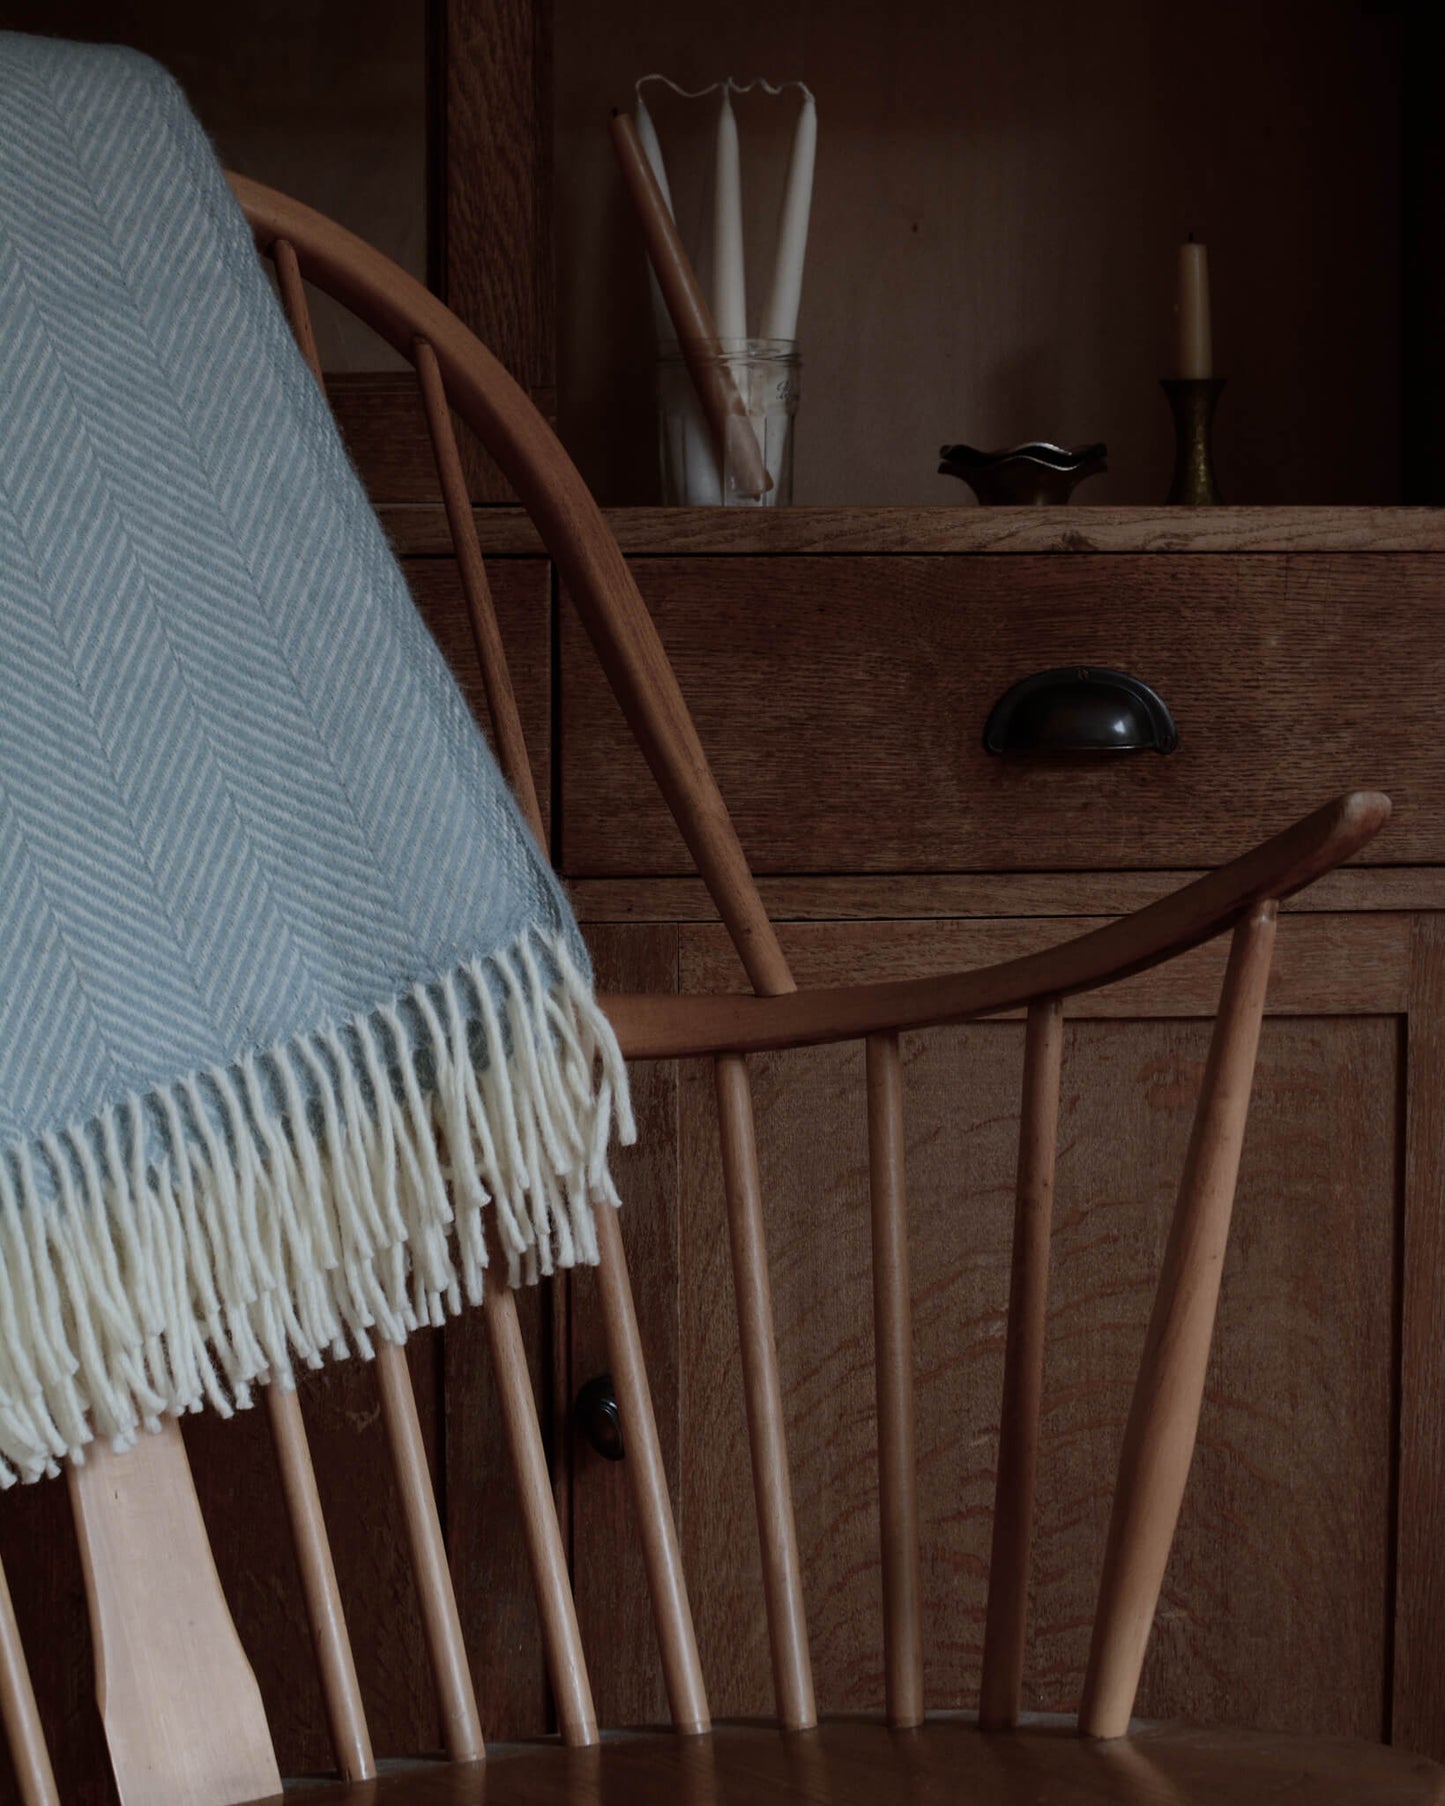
(842, 697)
(974, 280)
(1280, 1601)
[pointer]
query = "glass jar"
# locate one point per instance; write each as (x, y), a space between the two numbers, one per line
(752, 387)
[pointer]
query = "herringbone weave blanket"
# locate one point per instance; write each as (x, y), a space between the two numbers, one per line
(289, 1003)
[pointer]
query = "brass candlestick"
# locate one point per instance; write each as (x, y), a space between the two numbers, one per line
(1192, 401)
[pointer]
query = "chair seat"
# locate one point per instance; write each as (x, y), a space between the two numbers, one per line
(854, 1762)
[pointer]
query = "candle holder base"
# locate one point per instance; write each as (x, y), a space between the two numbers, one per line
(1192, 401)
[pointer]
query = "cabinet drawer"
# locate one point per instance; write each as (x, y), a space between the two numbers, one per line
(842, 703)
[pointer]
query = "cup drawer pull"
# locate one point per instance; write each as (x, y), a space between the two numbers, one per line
(1080, 709)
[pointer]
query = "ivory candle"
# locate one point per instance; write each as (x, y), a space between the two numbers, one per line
(780, 317)
(729, 283)
(1196, 341)
(652, 150)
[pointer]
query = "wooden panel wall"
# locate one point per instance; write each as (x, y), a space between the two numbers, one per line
(1001, 191)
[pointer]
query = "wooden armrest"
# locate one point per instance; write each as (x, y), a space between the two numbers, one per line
(671, 1027)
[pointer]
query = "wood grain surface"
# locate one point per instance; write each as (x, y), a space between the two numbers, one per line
(865, 681)
(417, 527)
(855, 1764)
(946, 895)
(1295, 1450)
(1419, 1682)
(493, 212)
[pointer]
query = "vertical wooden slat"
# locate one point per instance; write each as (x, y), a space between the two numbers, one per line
(1418, 1698)
(293, 300)
(763, 1398)
(1164, 1415)
(555, 1605)
(461, 1723)
(497, 238)
(682, 1669)
(893, 1372)
(1018, 1445)
(662, 1559)
(345, 1713)
(182, 1712)
(491, 655)
(19, 1713)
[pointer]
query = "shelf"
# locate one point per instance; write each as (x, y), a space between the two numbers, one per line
(420, 530)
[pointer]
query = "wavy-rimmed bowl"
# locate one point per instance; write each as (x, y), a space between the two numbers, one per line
(1036, 475)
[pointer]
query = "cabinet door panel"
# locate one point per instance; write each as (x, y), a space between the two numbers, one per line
(1277, 1606)
(1292, 1478)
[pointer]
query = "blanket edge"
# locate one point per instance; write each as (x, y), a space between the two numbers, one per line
(226, 1228)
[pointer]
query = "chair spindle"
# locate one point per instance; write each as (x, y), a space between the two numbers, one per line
(1164, 1415)
(486, 635)
(21, 1717)
(893, 1371)
(566, 1665)
(763, 1398)
(293, 302)
(461, 1722)
(661, 1556)
(345, 1714)
(682, 1670)
(1018, 1447)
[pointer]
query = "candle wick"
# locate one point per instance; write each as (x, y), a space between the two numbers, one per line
(1191, 238)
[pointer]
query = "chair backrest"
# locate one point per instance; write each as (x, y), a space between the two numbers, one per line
(188, 1727)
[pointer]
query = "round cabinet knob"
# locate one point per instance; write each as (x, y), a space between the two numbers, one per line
(597, 1416)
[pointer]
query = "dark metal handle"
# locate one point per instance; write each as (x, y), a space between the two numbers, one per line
(597, 1416)
(1080, 709)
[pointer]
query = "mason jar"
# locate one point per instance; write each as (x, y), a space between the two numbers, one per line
(752, 387)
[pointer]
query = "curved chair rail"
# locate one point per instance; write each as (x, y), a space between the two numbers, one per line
(670, 1027)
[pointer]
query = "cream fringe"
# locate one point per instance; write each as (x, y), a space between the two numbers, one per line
(133, 1286)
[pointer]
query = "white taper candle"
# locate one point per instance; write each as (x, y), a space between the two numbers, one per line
(780, 317)
(730, 298)
(652, 150)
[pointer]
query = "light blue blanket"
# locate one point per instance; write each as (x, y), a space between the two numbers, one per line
(289, 1002)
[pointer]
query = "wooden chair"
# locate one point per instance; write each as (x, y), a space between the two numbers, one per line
(180, 1705)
